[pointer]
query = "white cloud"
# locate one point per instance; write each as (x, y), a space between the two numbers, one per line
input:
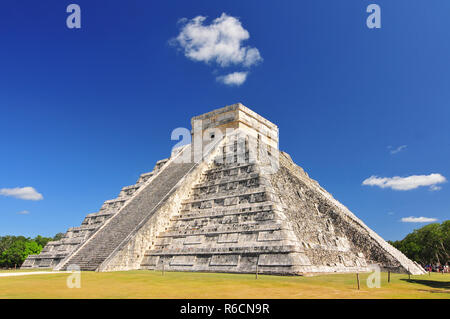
(236, 78)
(26, 193)
(220, 41)
(23, 212)
(398, 149)
(412, 219)
(406, 183)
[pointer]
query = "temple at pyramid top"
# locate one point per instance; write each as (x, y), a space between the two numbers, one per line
(227, 212)
(238, 116)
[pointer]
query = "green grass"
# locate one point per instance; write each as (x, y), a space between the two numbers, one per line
(151, 284)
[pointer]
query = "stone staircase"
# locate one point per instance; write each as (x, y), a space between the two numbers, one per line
(56, 252)
(231, 222)
(114, 232)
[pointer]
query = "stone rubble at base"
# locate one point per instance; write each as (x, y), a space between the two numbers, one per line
(245, 207)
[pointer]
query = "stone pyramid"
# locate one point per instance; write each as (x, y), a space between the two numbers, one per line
(228, 201)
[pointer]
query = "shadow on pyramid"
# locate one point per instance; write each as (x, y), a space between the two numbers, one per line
(228, 201)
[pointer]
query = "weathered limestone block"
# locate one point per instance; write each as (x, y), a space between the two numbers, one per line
(228, 238)
(182, 261)
(224, 260)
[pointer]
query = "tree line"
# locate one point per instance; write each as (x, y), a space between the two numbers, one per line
(429, 244)
(15, 249)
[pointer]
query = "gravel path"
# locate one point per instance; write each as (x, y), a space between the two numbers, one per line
(30, 273)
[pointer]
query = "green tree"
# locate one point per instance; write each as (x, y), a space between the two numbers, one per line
(42, 241)
(18, 251)
(429, 244)
(58, 236)
(15, 249)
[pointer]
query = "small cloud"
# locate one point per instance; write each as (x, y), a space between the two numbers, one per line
(406, 183)
(182, 21)
(412, 219)
(25, 193)
(23, 212)
(434, 188)
(398, 149)
(236, 78)
(391, 213)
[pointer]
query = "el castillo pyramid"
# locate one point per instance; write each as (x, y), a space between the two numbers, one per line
(228, 201)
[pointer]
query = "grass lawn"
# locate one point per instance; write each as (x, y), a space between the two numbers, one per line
(151, 284)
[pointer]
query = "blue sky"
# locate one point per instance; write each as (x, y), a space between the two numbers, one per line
(85, 111)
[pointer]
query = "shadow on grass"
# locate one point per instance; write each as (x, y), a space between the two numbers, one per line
(430, 283)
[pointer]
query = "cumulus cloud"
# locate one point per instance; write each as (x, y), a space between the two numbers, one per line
(25, 193)
(406, 183)
(220, 42)
(397, 149)
(412, 219)
(23, 212)
(235, 78)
